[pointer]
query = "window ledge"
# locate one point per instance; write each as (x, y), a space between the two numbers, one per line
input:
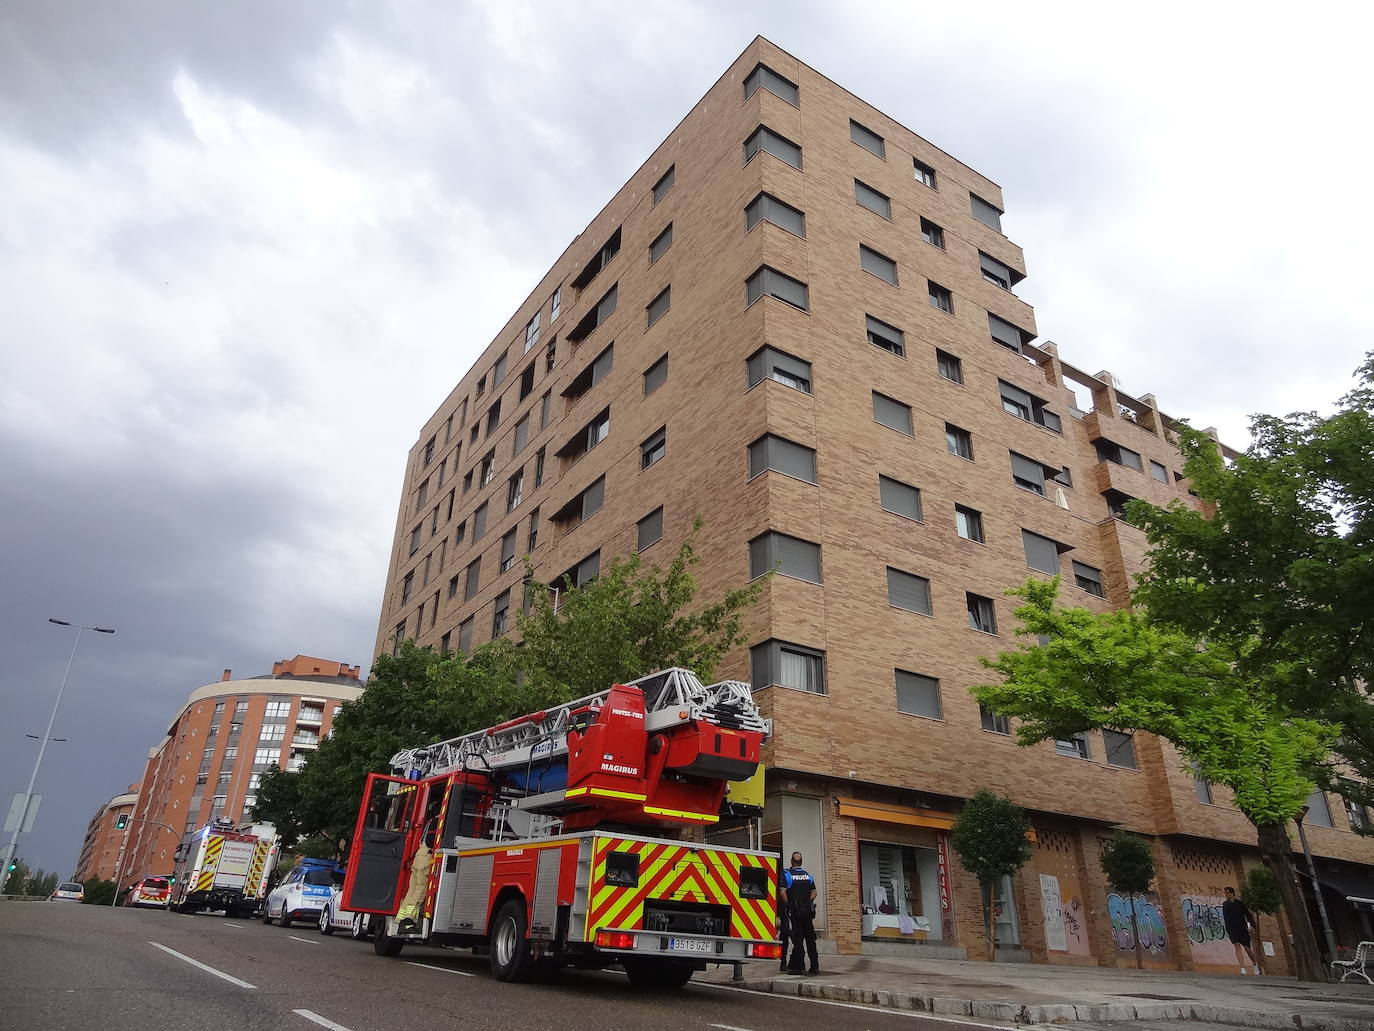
(985, 633)
(877, 277)
(789, 576)
(919, 716)
(996, 733)
(789, 304)
(914, 612)
(963, 459)
(798, 479)
(794, 690)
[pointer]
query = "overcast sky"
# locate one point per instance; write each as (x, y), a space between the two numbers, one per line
(247, 248)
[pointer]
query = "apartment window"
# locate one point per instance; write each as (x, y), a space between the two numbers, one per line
(422, 496)
(781, 455)
(474, 574)
(465, 636)
(272, 732)
(968, 522)
(661, 243)
(415, 539)
(539, 467)
(481, 386)
(766, 140)
(774, 83)
(899, 498)
(488, 468)
(659, 306)
(1064, 477)
(878, 203)
(1088, 579)
(591, 375)
(444, 647)
(544, 403)
(498, 371)
(1120, 749)
(948, 366)
(924, 173)
(467, 481)
(1355, 812)
(655, 375)
(429, 561)
(1075, 746)
(460, 533)
(892, 413)
(533, 539)
(782, 664)
(588, 437)
(772, 283)
(1028, 474)
(407, 586)
(584, 572)
(1041, 553)
(596, 315)
(434, 521)
(1027, 406)
(932, 234)
(868, 139)
(555, 303)
(876, 264)
(653, 449)
(493, 416)
(1116, 502)
(650, 529)
(1318, 812)
(767, 208)
(993, 723)
(940, 297)
(551, 356)
(781, 367)
(997, 272)
(665, 183)
(918, 694)
(583, 505)
(267, 757)
(1004, 333)
(531, 333)
(790, 556)
(526, 381)
(906, 591)
(515, 490)
(889, 338)
(1107, 451)
(981, 614)
(452, 494)
(603, 258)
(1159, 472)
(958, 441)
(453, 586)
(985, 212)
(500, 615)
(479, 521)
(522, 435)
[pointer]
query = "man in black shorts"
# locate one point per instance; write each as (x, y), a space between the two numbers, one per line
(1238, 919)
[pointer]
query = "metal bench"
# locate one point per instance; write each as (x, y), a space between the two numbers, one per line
(1361, 966)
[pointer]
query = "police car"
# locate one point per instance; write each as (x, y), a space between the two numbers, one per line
(303, 892)
(333, 917)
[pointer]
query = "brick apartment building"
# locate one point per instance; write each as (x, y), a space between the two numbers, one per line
(102, 847)
(220, 742)
(798, 321)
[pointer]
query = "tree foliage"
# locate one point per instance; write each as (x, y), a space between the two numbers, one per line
(97, 892)
(1260, 891)
(1129, 864)
(25, 880)
(990, 836)
(1118, 670)
(1283, 560)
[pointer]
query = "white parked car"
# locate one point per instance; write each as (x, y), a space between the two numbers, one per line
(68, 891)
(303, 892)
(333, 917)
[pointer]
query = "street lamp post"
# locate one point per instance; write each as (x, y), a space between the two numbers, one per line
(1316, 888)
(47, 736)
(238, 759)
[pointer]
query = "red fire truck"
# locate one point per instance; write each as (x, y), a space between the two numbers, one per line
(556, 839)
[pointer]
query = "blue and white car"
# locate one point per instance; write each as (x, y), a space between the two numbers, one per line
(333, 917)
(303, 892)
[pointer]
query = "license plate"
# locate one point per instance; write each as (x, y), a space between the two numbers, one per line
(690, 945)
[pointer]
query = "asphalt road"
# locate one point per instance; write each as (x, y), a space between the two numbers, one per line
(67, 967)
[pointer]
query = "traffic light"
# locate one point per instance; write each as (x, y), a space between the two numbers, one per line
(121, 821)
(172, 879)
(13, 866)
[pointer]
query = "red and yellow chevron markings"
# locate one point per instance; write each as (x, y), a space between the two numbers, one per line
(685, 873)
(213, 847)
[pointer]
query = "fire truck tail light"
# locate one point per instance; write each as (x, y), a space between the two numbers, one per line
(616, 940)
(765, 951)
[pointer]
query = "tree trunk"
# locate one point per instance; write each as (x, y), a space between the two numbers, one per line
(1135, 933)
(986, 890)
(1275, 850)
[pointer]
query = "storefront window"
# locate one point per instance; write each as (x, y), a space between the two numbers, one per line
(901, 891)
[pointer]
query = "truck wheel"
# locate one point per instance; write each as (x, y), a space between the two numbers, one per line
(510, 949)
(385, 944)
(658, 973)
(326, 925)
(359, 929)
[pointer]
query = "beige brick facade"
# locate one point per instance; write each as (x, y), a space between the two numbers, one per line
(847, 749)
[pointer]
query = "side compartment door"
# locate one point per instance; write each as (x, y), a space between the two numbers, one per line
(377, 855)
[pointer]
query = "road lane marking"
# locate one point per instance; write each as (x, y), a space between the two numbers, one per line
(729, 1027)
(322, 1021)
(306, 940)
(446, 970)
(851, 1006)
(197, 963)
(239, 926)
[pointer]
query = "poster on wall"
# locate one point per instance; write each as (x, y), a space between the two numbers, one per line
(1051, 906)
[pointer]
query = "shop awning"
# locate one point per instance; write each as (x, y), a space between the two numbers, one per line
(1352, 883)
(882, 812)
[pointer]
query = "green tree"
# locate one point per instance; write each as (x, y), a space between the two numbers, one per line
(1129, 865)
(1279, 566)
(1260, 891)
(990, 836)
(97, 892)
(1117, 670)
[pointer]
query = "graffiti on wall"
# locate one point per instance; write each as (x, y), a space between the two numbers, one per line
(1074, 932)
(1206, 930)
(1149, 923)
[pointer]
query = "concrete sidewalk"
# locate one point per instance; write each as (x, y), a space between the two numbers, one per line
(1021, 993)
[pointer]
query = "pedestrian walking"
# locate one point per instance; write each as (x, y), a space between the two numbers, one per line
(1239, 921)
(801, 904)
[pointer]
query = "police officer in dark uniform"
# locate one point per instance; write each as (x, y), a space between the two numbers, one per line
(801, 905)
